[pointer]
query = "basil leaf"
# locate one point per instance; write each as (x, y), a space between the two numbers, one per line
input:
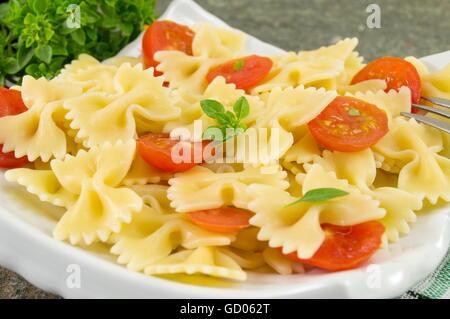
(212, 108)
(4, 10)
(241, 108)
(354, 112)
(231, 118)
(238, 65)
(44, 53)
(40, 6)
(24, 55)
(320, 195)
(2, 79)
(33, 70)
(11, 66)
(224, 120)
(242, 127)
(214, 133)
(79, 36)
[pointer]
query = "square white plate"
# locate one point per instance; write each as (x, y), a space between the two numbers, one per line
(26, 245)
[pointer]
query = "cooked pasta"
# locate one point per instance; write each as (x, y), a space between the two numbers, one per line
(80, 130)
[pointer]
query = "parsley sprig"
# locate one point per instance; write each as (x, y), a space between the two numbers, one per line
(36, 39)
(229, 123)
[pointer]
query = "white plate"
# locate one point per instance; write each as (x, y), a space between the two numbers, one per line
(26, 245)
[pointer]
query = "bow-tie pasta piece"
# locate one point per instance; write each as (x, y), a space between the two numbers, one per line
(318, 73)
(359, 169)
(39, 132)
(400, 207)
(435, 84)
(246, 240)
(245, 259)
(343, 51)
(152, 236)
(142, 173)
(141, 104)
(214, 43)
(363, 87)
(156, 231)
(210, 47)
(90, 74)
(203, 260)
(423, 172)
(200, 188)
(322, 68)
(101, 206)
(218, 90)
(393, 103)
(298, 227)
(303, 151)
(185, 71)
(42, 183)
(280, 263)
(291, 108)
(259, 146)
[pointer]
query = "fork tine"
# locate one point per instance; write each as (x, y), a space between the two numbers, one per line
(437, 101)
(444, 126)
(432, 110)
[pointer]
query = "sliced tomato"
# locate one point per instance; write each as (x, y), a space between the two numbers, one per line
(396, 72)
(11, 103)
(165, 35)
(245, 73)
(348, 124)
(222, 220)
(158, 151)
(345, 247)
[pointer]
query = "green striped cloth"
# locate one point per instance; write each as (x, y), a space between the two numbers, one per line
(435, 286)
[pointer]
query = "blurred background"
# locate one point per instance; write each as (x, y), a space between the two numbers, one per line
(408, 27)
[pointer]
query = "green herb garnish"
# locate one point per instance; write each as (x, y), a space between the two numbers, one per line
(38, 37)
(320, 195)
(238, 65)
(354, 112)
(229, 122)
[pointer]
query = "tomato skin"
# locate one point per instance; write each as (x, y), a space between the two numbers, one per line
(165, 35)
(8, 160)
(253, 70)
(335, 129)
(396, 72)
(11, 103)
(221, 220)
(156, 150)
(345, 247)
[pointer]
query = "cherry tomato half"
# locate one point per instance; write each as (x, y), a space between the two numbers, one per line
(165, 35)
(396, 72)
(348, 124)
(158, 151)
(222, 220)
(245, 73)
(11, 103)
(345, 247)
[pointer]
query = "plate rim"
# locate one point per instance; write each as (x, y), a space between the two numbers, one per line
(17, 256)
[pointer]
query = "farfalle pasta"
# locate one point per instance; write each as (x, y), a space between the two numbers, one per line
(99, 141)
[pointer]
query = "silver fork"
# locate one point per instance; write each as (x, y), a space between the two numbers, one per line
(443, 126)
